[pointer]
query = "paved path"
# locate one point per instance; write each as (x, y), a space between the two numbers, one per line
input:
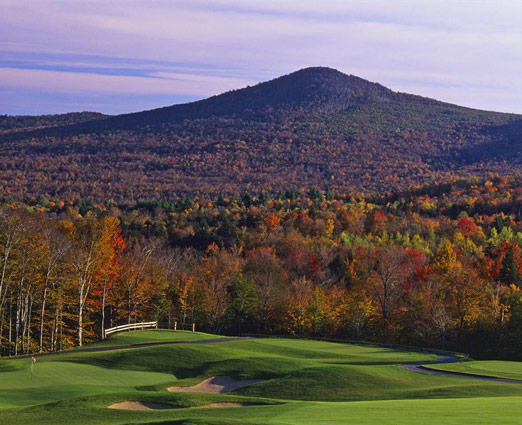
(419, 367)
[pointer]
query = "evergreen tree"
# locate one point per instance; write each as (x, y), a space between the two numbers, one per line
(509, 273)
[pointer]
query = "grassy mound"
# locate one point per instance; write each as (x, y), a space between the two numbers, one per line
(491, 368)
(306, 382)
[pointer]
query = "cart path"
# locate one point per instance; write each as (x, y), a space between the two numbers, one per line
(420, 368)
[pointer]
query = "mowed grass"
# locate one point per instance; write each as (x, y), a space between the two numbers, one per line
(305, 382)
(57, 380)
(491, 368)
(148, 336)
(471, 411)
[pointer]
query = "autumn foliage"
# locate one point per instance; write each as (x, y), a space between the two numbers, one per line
(441, 266)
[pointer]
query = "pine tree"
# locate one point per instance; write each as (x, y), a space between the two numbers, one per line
(509, 273)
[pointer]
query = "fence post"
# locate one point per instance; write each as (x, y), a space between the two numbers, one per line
(193, 327)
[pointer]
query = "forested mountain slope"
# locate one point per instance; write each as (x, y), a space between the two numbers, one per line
(27, 123)
(315, 127)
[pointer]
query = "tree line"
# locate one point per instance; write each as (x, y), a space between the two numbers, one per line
(308, 264)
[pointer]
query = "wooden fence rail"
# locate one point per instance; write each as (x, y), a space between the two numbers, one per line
(129, 327)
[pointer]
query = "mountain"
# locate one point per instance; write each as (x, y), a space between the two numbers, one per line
(316, 127)
(24, 123)
(308, 90)
(311, 89)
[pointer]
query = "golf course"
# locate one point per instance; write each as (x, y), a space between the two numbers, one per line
(177, 377)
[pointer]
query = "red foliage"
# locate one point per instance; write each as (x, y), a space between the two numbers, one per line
(467, 226)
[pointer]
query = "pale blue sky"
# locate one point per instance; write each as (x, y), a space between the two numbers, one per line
(127, 55)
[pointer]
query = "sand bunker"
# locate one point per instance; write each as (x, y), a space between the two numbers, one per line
(140, 405)
(216, 385)
(219, 405)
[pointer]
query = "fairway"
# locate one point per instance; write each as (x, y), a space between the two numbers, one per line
(293, 382)
(489, 368)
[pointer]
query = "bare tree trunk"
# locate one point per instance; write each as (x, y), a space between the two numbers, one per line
(53, 330)
(3, 280)
(61, 330)
(10, 327)
(129, 305)
(42, 315)
(1, 333)
(80, 316)
(17, 320)
(104, 296)
(83, 292)
(28, 327)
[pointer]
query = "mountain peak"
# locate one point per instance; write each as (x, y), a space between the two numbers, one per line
(308, 90)
(320, 73)
(320, 89)
(328, 86)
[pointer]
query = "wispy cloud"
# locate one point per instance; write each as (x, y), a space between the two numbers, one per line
(465, 51)
(82, 82)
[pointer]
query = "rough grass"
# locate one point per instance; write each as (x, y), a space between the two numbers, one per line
(307, 382)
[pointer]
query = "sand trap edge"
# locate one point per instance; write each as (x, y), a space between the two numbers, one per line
(216, 385)
(224, 405)
(140, 405)
(143, 405)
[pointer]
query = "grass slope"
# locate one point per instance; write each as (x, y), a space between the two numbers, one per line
(149, 336)
(306, 382)
(492, 368)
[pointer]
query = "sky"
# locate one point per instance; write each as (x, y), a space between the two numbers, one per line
(116, 56)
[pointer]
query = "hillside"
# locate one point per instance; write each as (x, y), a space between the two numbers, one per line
(27, 123)
(315, 127)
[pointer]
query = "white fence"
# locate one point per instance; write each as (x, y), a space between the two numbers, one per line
(130, 327)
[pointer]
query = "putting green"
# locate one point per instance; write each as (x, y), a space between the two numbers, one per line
(53, 373)
(491, 368)
(57, 380)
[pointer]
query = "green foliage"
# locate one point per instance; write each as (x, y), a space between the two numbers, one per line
(509, 273)
(243, 299)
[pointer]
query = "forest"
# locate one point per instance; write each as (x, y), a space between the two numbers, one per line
(437, 266)
(313, 128)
